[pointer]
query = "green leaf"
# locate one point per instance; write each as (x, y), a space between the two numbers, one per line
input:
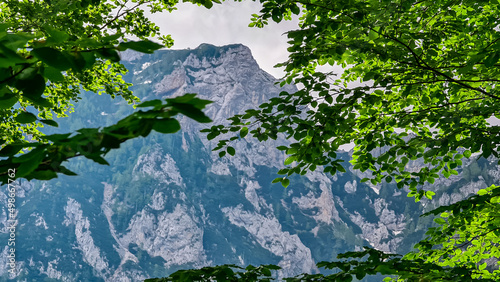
(25, 117)
(439, 220)
(97, 158)
(289, 160)
(52, 57)
(295, 9)
(8, 100)
(10, 59)
(32, 87)
(166, 125)
(273, 267)
(208, 4)
(372, 34)
(285, 182)
(88, 59)
(12, 149)
(191, 111)
(56, 36)
(243, 132)
(340, 168)
(108, 53)
(283, 171)
(43, 175)
(482, 192)
(49, 122)
(53, 74)
(27, 167)
(39, 101)
(66, 171)
(230, 150)
(57, 137)
(35, 154)
(144, 46)
(266, 272)
(467, 153)
(14, 41)
(492, 59)
(186, 98)
(111, 38)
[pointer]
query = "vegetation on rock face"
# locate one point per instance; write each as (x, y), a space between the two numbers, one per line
(49, 52)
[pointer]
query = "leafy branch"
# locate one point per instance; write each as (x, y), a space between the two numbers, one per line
(45, 160)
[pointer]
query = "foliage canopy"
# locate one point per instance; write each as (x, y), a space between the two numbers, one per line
(419, 82)
(52, 50)
(418, 85)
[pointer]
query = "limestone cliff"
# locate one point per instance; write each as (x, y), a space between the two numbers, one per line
(168, 202)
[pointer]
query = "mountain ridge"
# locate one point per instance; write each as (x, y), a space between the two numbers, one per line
(168, 202)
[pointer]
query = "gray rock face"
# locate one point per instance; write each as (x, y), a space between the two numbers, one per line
(296, 258)
(173, 236)
(169, 202)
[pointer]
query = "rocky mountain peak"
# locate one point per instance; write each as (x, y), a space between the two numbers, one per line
(227, 75)
(167, 202)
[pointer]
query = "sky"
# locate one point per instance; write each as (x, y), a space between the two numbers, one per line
(224, 24)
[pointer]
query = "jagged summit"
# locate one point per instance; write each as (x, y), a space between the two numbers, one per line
(227, 75)
(210, 50)
(206, 50)
(167, 202)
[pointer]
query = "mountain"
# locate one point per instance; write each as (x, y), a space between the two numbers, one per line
(167, 202)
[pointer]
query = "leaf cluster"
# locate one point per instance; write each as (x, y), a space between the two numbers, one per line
(467, 235)
(418, 85)
(460, 248)
(227, 272)
(417, 94)
(52, 50)
(46, 159)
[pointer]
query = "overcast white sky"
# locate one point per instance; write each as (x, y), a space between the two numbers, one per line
(224, 24)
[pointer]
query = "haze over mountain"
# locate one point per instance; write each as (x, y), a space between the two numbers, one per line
(167, 202)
